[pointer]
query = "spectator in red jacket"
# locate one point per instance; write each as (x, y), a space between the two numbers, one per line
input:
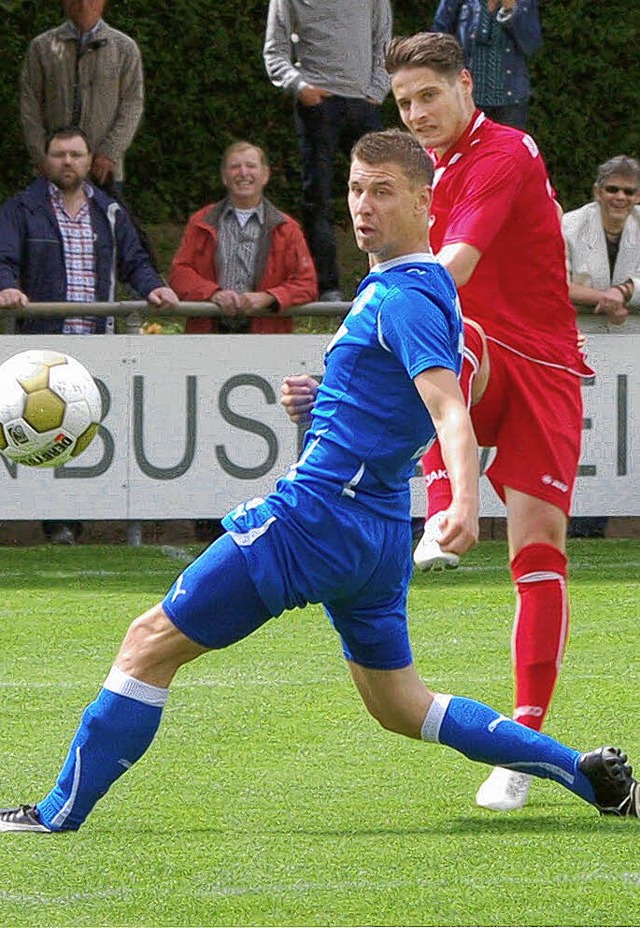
(244, 254)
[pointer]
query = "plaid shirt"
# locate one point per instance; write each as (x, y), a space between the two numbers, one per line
(79, 258)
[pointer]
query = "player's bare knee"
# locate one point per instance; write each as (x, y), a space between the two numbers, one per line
(397, 699)
(153, 648)
(533, 521)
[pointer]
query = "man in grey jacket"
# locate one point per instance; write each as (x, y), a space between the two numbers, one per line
(86, 74)
(330, 56)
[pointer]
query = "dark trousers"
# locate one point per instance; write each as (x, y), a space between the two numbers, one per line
(588, 526)
(515, 115)
(323, 131)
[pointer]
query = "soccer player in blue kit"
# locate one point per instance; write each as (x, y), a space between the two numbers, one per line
(337, 529)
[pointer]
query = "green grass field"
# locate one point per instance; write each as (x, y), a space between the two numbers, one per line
(271, 798)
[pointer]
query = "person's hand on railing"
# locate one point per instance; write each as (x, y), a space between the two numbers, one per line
(233, 303)
(11, 297)
(254, 303)
(612, 304)
(229, 301)
(163, 296)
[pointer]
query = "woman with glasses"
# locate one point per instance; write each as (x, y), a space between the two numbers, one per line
(603, 242)
(603, 258)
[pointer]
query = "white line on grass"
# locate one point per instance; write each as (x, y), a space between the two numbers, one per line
(177, 554)
(225, 684)
(64, 574)
(80, 574)
(41, 899)
(185, 556)
(231, 682)
(302, 886)
(631, 878)
(575, 565)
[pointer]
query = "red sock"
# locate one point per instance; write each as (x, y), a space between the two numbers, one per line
(437, 479)
(435, 473)
(540, 630)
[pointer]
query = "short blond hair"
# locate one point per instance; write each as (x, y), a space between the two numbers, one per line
(397, 147)
(242, 146)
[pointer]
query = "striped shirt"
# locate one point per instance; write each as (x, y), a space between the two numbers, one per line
(337, 45)
(240, 232)
(79, 258)
(238, 247)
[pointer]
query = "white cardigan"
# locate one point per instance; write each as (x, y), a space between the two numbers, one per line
(587, 259)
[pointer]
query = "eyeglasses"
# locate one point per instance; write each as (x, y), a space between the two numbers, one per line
(74, 155)
(613, 188)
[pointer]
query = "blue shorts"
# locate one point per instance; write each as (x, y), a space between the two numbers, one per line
(295, 548)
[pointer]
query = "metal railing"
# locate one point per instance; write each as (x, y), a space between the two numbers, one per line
(135, 311)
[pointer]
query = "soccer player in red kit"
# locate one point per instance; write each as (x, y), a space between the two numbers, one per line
(495, 227)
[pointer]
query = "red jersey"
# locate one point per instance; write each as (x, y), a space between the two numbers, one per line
(492, 191)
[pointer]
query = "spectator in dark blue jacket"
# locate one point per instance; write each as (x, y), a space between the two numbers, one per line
(64, 240)
(496, 38)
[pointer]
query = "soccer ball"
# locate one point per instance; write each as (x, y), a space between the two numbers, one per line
(50, 408)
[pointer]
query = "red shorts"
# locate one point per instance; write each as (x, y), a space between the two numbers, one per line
(532, 414)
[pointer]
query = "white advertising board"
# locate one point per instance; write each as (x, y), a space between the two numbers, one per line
(192, 426)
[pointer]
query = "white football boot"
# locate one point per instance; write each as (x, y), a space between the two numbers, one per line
(504, 790)
(428, 554)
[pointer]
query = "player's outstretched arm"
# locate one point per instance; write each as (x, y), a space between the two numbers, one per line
(460, 260)
(440, 392)
(298, 396)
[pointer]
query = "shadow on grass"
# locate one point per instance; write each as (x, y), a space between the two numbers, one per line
(532, 824)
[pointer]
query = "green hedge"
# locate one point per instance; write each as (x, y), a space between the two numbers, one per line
(206, 86)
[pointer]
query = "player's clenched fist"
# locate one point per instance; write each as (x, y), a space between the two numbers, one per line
(297, 396)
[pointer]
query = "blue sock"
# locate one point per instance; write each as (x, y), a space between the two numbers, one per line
(115, 731)
(482, 734)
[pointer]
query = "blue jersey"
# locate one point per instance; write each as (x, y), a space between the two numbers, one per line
(336, 530)
(369, 424)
